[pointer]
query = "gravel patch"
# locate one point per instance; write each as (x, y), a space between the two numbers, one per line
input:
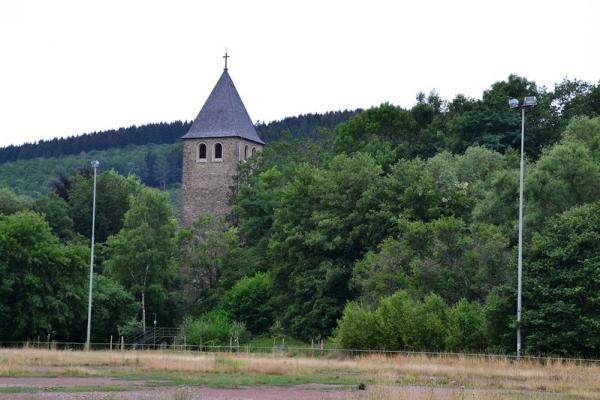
(300, 392)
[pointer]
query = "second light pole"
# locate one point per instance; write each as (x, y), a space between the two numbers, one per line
(529, 101)
(95, 165)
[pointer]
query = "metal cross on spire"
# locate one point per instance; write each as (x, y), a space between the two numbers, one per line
(226, 57)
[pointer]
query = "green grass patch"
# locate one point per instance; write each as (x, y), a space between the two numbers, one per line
(19, 389)
(267, 342)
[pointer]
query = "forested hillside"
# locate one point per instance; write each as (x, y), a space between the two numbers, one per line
(305, 126)
(152, 152)
(395, 231)
(156, 165)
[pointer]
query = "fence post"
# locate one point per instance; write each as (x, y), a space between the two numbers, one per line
(184, 344)
(230, 343)
(48, 341)
(237, 341)
(110, 342)
(122, 343)
(322, 347)
(38, 342)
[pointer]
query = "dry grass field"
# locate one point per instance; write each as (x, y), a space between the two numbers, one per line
(52, 374)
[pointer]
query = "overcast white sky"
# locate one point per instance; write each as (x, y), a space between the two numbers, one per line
(71, 67)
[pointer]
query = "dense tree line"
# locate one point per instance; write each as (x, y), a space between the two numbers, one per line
(394, 231)
(158, 133)
(305, 126)
(158, 166)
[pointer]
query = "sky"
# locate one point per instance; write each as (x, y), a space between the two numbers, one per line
(72, 67)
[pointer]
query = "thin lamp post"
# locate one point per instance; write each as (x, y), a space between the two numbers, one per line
(155, 330)
(95, 165)
(528, 102)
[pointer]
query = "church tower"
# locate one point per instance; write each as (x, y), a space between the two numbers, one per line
(221, 137)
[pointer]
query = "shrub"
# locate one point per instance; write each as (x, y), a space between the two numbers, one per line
(466, 327)
(249, 301)
(357, 329)
(426, 324)
(213, 329)
(391, 317)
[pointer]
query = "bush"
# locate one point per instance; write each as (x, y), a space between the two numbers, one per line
(401, 323)
(249, 301)
(391, 317)
(357, 329)
(213, 329)
(466, 327)
(426, 324)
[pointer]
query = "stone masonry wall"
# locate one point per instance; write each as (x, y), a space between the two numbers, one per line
(206, 185)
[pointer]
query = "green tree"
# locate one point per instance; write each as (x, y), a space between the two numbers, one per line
(426, 324)
(113, 306)
(319, 230)
(392, 317)
(561, 283)
(566, 174)
(357, 328)
(112, 201)
(57, 213)
(572, 98)
(140, 257)
(10, 202)
(489, 122)
(564, 177)
(211, 262)
(261, 181)
(386, 132)
(445, 256)
(499, 205)
(417, 190)
(466, 327)
(249, 301)
(43, 285)
(500, 315)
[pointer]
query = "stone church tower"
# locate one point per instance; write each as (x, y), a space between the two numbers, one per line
(221, 137)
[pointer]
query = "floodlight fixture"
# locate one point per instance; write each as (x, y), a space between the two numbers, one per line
(513, 103)
(529, 101)
(95, 164)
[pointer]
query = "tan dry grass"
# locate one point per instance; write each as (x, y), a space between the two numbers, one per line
(388, 373)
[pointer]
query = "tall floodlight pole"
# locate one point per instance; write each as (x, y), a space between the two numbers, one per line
(528, 102)
(95, 165)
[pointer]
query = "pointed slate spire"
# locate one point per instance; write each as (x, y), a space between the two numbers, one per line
(223, 115)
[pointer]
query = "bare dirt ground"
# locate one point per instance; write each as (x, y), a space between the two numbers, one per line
(135, 390)
(64, 381)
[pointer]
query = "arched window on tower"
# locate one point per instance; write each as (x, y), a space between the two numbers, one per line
(253, 150)
(218, 154)
(246, 152)
(202, 152)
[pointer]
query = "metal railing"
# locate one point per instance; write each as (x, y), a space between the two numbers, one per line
(156, 336)
(280, 350)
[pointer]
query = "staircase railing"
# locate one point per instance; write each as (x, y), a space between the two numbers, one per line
(156, 335)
